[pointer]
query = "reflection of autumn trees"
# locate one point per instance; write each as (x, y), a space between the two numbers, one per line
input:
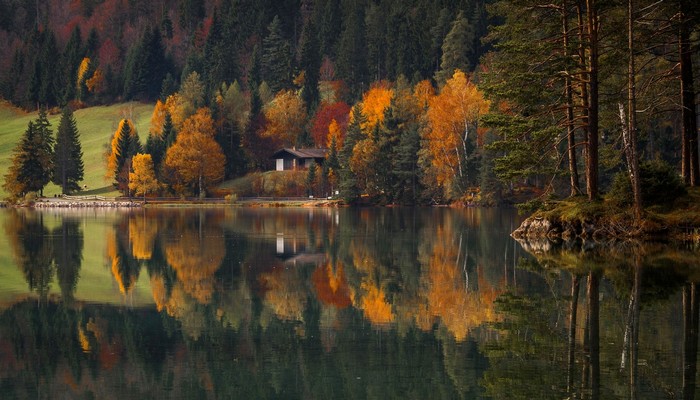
(331, 285)
(285, 293)
(125, 268)
(447, 292)
(196, 256)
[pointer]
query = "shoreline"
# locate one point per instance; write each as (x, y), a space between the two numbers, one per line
(106, 203)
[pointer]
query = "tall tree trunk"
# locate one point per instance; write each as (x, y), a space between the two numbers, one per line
(594, 332)
(583, 79)
(689, 159)
(570, 129)
(690, 339)
(575, 283)
(630, 139)
(592, 126)
(634, 322)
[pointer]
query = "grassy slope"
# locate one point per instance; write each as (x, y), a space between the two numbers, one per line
(95, 125)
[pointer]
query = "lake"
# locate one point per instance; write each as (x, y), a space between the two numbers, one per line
(370, 303)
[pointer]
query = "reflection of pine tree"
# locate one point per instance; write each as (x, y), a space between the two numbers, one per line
(68, 256)
(32, 249)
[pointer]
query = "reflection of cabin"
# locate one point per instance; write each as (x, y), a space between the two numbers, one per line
(291, 159)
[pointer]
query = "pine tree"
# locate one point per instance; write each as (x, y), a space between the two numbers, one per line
(352, 54)
(44, 151)
(68, 154)
(405, 166)
(276, 58)
(310, 63)
(311, 179)
(146, 67)
(348, 181)
(125, 144)
(219, 55)
(31, 162)
(456, 48)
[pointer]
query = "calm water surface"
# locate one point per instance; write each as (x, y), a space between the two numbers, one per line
(335, 303)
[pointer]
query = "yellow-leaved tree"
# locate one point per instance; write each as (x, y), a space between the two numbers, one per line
(143, 180)
(374, 104)
(450, 138)
(286, 118)
(196, 158)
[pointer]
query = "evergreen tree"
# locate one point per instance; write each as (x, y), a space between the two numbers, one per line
(310, 63)
(352, 51)
(72, 56)
(311, 179)
(68, 154)
(191, 13)
(125, 147)
(276, 58)
(44, 150)
(229, 138)
(156, 145)
(168, 134)
(31, 162)
(348, 182)
(405, 167)
(146, 67)
(329, 20)
(456, 48)
(219, 55)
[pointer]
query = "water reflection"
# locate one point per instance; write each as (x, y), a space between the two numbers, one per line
(369, 303)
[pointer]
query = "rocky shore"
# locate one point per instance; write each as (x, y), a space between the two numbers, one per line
(86, 204)
(537, 227)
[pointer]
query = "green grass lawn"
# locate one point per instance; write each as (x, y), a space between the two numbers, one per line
(95, 126)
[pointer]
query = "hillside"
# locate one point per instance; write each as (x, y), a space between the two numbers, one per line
(95, 125)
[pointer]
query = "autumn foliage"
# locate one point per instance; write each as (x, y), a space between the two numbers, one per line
(453, 115)
(195, 157)
(328, 114)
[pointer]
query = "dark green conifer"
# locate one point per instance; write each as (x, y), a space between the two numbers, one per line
(68, 154)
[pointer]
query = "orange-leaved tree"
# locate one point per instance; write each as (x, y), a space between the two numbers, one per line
(286, 118)
(143, 180)
(450, 138)
(196, 158)
(157, 119)
(374, 104)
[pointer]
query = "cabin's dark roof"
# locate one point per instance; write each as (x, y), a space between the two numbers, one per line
(302, 153)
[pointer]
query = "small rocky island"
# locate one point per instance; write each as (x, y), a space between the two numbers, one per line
(579, 218)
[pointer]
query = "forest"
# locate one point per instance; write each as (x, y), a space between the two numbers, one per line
(417, 102)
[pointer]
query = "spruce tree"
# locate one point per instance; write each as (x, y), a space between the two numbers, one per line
(31, 162)
(352, 51)
(311, 179)
(310, 63)
(456, 48)
(68, 154)
(348, 181)
(43, 152)
(276, 58)
(157, 145)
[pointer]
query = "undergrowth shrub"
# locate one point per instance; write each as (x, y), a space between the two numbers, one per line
(660, 185)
